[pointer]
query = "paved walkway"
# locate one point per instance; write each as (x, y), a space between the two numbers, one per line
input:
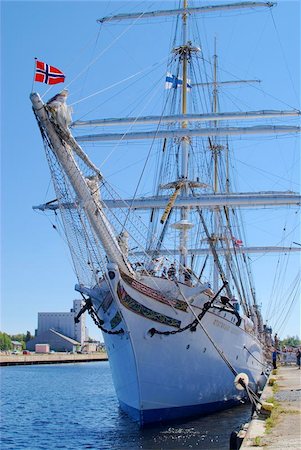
(287, 431)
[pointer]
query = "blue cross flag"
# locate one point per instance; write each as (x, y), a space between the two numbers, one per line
(172, 82)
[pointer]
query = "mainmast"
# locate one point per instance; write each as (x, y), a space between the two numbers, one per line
(215, 110)
(215, 149)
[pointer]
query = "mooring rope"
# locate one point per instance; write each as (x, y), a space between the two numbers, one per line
(256, 359)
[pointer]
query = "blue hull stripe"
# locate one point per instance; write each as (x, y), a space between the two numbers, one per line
(145, 417)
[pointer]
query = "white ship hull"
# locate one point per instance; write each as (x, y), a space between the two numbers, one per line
(164, 377)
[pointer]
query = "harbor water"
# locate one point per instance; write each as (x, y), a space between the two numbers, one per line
(74, 406)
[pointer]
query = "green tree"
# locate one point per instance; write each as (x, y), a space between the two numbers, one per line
(20, 337)
(28, 336)
(292, 341)
(5, 341)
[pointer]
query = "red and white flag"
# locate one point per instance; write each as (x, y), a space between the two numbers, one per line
(237, 242)
(48, 74)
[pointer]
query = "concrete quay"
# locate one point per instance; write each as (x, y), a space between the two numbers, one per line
(51, 358)
(283, 429)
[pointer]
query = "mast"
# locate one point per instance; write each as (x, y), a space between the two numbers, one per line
(184, 142)
(215, 149)
(184, 85)
(215, 109)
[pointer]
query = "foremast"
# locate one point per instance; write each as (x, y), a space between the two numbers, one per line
(185, 51)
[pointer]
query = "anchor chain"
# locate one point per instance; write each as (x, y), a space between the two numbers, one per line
(192, 326)
(98, 322)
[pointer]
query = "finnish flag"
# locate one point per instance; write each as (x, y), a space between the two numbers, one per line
(172, 82)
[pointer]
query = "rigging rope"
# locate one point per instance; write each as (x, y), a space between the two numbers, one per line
(104, 50)
(284, 57)
(91, 58)
(255, 87)
(119, 82)
(296, 287)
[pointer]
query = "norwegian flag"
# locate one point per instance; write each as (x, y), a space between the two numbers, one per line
(48, 74)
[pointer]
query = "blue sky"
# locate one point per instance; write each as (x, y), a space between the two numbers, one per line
(36, 269)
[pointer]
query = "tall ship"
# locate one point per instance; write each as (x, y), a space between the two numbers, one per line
(167, 276)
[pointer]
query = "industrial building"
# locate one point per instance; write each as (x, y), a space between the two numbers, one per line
(59, 330)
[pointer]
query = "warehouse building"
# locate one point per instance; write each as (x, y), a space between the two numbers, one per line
(59, 330)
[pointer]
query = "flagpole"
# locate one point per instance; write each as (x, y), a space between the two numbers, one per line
(34, 73)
